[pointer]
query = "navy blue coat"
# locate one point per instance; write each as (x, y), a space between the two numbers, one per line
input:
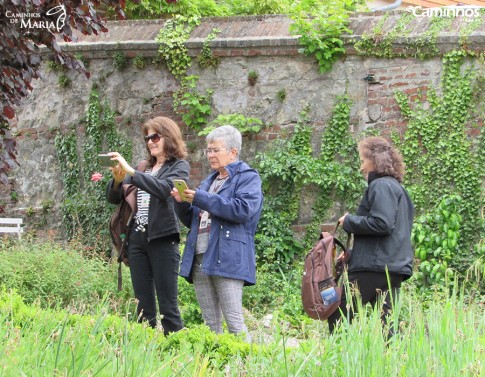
(235, 212)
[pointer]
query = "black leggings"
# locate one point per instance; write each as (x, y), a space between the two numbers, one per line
(372, 286)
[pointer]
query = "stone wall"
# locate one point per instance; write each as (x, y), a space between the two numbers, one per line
(262, 44)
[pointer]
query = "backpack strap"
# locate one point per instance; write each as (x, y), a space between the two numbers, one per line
(129, 190)
(342, 261)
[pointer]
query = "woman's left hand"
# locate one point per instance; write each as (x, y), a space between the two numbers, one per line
(342, 219)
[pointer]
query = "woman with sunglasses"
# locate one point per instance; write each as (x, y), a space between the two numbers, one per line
(222, 214)
(153, 241)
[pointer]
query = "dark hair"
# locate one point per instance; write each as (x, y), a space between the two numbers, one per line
(173, 144)
(385, 158)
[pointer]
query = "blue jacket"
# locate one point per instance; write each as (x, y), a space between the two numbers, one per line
(235, 212)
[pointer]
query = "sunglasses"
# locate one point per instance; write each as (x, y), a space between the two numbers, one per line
(153, 137)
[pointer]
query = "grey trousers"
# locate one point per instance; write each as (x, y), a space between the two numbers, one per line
(219, 296)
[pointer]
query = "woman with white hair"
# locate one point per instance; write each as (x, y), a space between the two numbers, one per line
(222, 214)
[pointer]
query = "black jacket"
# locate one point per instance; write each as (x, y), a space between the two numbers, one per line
(162, 221)
(382, 229)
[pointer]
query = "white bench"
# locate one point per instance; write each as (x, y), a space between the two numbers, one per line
(11, 225)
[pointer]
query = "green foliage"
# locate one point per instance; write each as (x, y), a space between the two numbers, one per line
(119, 60)
(54, 66)
(469, 27)
(425, 44)
(162, 9)
(380, 42)
(206, 58)
(238, 7)
(253, 77)
(200, 339)
(435, 238)
(289, 169)
(239, 121)
(321, 33)
(189, 307)
(441, 160)
(45, 342)
(81, 58)
(340, 179)
(139, 62)
(63, 81)
(195, 108)
(281, 95)
(172, 38)
(85, 210)
(58, 277)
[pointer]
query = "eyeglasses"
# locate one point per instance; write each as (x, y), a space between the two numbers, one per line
(153, 137)
(208, 151)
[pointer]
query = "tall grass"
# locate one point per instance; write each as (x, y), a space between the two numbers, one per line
(442, 339)
(60, 316)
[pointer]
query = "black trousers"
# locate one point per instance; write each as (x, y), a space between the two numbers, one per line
(154, 273)
(372, 286)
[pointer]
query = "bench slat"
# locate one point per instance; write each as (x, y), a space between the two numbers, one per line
(5, 220)
(11, 229)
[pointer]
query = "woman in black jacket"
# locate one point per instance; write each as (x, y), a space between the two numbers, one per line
(382, 230)
(153, 241)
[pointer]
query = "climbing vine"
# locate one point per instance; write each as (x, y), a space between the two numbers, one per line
(289, 169)
(441, 158)
(379, 42)
(172, 38)
(194, 107)
(320, 29)
(84, 209)
(206, 58)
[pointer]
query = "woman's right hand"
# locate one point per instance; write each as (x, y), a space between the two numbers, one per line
(189, 195)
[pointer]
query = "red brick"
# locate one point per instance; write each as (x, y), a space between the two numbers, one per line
(398, 84)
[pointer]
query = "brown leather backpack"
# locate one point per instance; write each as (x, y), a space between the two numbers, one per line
(320, 292)
(120, 222)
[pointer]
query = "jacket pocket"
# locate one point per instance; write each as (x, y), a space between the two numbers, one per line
(232, 244)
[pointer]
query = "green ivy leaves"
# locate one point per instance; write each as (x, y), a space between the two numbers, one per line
(172, 38)
(442, 160)
(85, 210)
(291, 172)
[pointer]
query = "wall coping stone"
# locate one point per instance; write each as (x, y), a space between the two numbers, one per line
(257, 32)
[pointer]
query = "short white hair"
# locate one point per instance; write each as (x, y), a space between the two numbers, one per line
(230, 136)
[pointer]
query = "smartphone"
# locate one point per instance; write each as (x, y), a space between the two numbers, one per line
(181, 186)
(106, 162)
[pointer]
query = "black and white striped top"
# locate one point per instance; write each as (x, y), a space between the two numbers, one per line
(142, 202)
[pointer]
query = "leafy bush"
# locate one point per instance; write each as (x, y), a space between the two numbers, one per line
(435, 237)
(189, 307)
(245, 125)
(57, 277)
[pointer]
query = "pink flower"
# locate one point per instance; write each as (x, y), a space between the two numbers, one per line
(96, 177)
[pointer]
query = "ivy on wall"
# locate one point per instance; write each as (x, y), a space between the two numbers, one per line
(84, 209)
(380, 41)
(442, 159)
(289, 168)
